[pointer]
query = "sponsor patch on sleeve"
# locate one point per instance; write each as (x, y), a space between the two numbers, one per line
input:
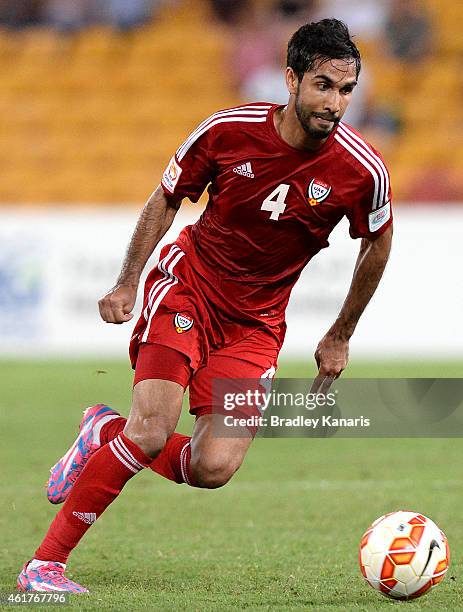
(171, 175)
(378, 218)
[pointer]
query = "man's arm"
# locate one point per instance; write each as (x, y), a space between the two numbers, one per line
(333, 349)
(156, 218)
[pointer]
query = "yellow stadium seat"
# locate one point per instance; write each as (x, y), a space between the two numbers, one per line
(99, 114)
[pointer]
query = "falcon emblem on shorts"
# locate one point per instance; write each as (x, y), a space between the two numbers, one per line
(317, 191)
(182, 322)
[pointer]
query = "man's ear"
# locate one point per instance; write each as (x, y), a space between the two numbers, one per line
(292, 81)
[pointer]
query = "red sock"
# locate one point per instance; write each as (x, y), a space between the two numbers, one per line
(173, 462)
(101, 481)
(170, 463)
(111, 429)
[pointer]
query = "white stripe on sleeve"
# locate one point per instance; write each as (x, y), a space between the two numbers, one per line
(365, 163)
(376, 161)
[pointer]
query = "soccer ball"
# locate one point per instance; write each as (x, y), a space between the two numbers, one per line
(403, 555)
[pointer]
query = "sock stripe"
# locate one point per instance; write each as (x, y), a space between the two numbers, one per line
(183, 463)
(122, 447)
(121, 459)
(105, 475)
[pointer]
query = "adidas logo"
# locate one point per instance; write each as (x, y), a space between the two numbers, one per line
(244, 170)
(86, 517)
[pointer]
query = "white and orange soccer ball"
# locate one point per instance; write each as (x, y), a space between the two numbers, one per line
(403, 555)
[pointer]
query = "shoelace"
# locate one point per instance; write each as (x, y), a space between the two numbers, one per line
(56, 574)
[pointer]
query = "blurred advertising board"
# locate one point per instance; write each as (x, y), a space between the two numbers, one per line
(56, 263)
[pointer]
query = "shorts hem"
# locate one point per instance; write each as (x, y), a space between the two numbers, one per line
(172, 378)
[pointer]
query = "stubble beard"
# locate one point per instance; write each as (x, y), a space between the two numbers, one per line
(304, 119)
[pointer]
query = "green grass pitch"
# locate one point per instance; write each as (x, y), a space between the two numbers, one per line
(282, 535)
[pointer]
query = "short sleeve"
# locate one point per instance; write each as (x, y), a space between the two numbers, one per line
(370, 213)
(191, 169)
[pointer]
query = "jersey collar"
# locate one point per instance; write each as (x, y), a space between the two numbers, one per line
(282, 143)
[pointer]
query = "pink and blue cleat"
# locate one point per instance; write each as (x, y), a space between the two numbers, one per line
(64, 473)
(47, 577)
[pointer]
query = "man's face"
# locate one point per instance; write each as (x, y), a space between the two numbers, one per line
(323, 95)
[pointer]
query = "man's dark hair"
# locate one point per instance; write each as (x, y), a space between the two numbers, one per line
(325, 39)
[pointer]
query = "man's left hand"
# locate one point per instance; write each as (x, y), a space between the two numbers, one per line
(332, 355)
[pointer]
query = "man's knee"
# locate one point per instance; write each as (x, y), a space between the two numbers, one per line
(213, 472)
(155, 410)
(150, 441)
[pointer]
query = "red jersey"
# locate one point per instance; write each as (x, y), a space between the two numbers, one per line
(271, 207)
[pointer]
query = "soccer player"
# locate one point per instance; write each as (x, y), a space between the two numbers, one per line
(279, 180)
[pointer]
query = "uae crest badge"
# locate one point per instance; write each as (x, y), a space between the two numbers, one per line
(317, 191)
(182, 322)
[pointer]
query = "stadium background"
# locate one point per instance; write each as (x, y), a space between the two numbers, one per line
(95, 96)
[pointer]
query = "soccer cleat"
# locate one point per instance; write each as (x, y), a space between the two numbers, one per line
(47, 578)
(64, 473)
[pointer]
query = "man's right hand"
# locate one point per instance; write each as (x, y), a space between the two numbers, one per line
(117, 305)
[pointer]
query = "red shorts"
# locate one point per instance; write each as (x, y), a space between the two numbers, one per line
(253, 358)
(175, 316)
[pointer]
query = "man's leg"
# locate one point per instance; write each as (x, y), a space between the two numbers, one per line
(101, 424)
(209, 460)
(173, 462)
(214, 460)
(154, 414)
(199, 460)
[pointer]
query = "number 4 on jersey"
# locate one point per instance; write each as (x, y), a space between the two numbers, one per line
(275, 203)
